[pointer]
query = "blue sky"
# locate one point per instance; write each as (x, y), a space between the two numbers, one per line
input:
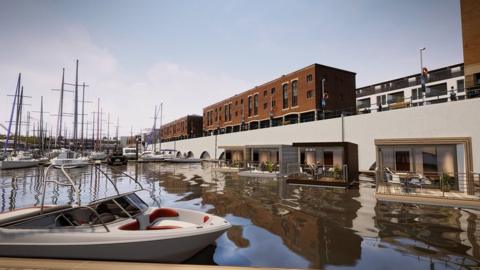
(188, 54)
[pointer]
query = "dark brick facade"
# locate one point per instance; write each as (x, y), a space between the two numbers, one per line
(189, 126)
(267, 107)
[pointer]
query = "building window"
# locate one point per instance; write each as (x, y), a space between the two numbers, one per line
(309, 94)
(255, 105)
(294, 93)
(265, 93)
(309, 77)
(460, 85)
(273, 103)
(250, 106)
(477, 79)
(285, 96)
(241, 101)
(265, 106)
(273, 90)
(225, 113)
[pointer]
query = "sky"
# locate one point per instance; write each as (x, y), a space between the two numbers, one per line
(135, 55)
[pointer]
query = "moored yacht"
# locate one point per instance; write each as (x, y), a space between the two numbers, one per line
(69, 159)
(21, 160)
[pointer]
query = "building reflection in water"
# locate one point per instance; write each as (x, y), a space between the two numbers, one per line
(276, 224)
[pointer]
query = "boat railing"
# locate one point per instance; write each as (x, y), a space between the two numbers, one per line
(47, 180)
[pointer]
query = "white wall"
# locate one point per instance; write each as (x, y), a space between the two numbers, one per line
(450, 119)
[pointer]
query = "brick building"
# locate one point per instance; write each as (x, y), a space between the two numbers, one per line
(189, 126)
(470, 10)
(292, 98)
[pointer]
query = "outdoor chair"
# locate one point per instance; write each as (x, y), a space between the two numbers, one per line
(393, 178)
(420, 180)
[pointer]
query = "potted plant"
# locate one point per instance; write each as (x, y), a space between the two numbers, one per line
(337, 172)
(446, 182)
(269, 166)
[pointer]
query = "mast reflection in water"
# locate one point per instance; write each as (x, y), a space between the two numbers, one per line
(280, 225)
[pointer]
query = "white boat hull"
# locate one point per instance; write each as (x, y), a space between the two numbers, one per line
(17, 164)
(173, 250)
(69, 163)
(121, 244)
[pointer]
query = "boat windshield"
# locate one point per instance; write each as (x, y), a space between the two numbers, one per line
(123, 206)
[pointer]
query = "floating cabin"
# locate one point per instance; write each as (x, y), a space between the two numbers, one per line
(427, 170)
(331, 164)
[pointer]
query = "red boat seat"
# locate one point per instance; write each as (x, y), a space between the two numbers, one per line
(162, 212)
(133, 226)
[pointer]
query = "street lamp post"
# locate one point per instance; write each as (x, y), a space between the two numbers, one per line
(422, 77)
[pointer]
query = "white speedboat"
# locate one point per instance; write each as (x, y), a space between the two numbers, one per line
(69, 159)
(22, 160)
(121, 228)
(98, 155)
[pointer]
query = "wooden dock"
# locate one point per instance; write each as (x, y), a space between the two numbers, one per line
(53, 264)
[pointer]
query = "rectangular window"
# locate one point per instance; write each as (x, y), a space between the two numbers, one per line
(250, 106)
(309, 78)
(225, 112)
(230, 111)
(294, 93)
(265, 93)
(273, 91)
(309, 94)
(265, 105)
(414, 94)
(460, 85)
(477, 79)
(273, 103)
(285, 96)
(255, 105)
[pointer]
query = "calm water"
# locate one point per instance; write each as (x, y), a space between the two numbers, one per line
(280, 225)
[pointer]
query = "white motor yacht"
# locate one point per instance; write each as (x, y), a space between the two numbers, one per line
(69, 159)
(122, 227)
(21, 160)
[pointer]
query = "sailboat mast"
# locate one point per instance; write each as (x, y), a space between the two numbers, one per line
(160, 134)
(11, 114)
(60, 110)
(19, 118)
(42, 145)
(83, 110)
(75, 106)
(98, 123)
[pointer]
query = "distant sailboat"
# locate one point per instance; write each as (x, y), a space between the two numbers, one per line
(16, 160)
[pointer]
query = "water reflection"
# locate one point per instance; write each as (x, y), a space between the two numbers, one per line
(279, 225)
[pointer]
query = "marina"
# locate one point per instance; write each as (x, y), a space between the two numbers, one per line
(341, 136)
(276, 224)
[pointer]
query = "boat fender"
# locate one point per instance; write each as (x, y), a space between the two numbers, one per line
(205, 219)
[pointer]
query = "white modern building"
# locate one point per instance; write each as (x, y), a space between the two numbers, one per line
(442, 85)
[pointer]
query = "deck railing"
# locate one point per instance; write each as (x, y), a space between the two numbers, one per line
(253, 166)
(317, 172)
(447, 185)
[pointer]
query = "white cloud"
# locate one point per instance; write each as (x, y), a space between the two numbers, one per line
(39, 56)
